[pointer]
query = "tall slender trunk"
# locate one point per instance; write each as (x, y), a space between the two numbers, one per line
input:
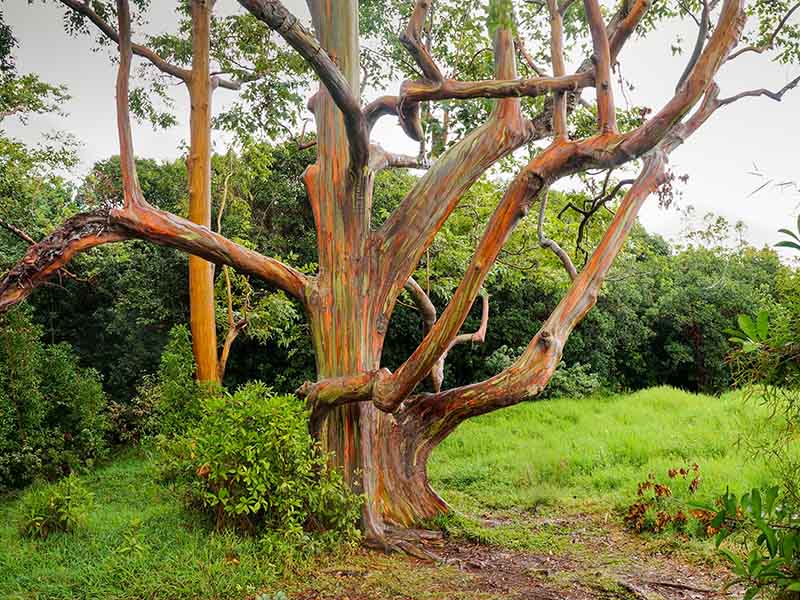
(201, 272)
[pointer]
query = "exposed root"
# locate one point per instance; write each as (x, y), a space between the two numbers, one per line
(413, 542)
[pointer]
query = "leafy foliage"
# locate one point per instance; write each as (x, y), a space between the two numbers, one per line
(771, 529)
(169, 401)
(48, 508)
(52, 411)
(250, 464)
(655, 509)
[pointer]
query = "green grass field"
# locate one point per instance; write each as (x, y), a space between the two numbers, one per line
(568, 454)
(596, 450)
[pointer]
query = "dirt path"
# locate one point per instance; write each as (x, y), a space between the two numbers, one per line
(597, 560)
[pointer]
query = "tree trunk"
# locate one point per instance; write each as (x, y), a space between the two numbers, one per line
(201, 272)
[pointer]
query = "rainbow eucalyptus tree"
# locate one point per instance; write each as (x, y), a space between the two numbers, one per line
(378, 425)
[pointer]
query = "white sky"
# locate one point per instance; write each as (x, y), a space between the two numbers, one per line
(717, 159)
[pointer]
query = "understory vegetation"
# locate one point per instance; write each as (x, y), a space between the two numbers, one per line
(140, 540)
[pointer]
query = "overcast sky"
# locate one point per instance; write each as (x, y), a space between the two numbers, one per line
(719, 159)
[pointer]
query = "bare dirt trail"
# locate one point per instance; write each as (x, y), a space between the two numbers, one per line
(590, 558)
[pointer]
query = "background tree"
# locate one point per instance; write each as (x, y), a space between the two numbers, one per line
(379, 430)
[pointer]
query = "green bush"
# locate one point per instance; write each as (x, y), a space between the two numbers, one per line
(169, 401)
(572, 381)
(251, 465)
(52, 411)
(48, 508)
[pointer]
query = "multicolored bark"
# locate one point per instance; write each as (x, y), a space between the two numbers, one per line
(378, 430)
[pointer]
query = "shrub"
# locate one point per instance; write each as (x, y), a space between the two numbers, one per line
(52, 411)
(167, 402)
(572, 381)
(764, 523)
(251, 465)
(655, 509)
(61, 506)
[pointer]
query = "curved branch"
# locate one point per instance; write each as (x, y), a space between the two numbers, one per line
(546, 242)
(45, 258)
(411, 39)
(777, 95)
(771, 41)
(279, 19)
(87, 230)
(162, 65)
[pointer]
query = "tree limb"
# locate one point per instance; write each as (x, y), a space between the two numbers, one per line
(606, 112)
(777, 95)
(383, 159)
(278, 18)
(87, 230)
(438, 414)
(410, 229)
(557, 59)
(131, 191)
(162, 65)
(705, 23)
(771, 41)
(546, 242)
(411, 38)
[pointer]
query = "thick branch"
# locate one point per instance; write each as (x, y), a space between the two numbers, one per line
(606, 112)
(132, 193)
(439, 414)
(559, 69)
(275, 15)
(413, 225)
(411, 38)
(85, 9)
(451, 89)
(702, 32)
(380, 159)
(525, 188)
(87, 230)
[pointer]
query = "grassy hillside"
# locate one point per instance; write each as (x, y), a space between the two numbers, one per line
(595, 450)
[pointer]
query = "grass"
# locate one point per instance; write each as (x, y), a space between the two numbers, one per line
(566, 455)
(594, 451)
(138, 543)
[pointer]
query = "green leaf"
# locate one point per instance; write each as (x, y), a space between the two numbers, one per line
(787, 244)
(748, 326)
(762, 324)
(738, 565)
(790, 232)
